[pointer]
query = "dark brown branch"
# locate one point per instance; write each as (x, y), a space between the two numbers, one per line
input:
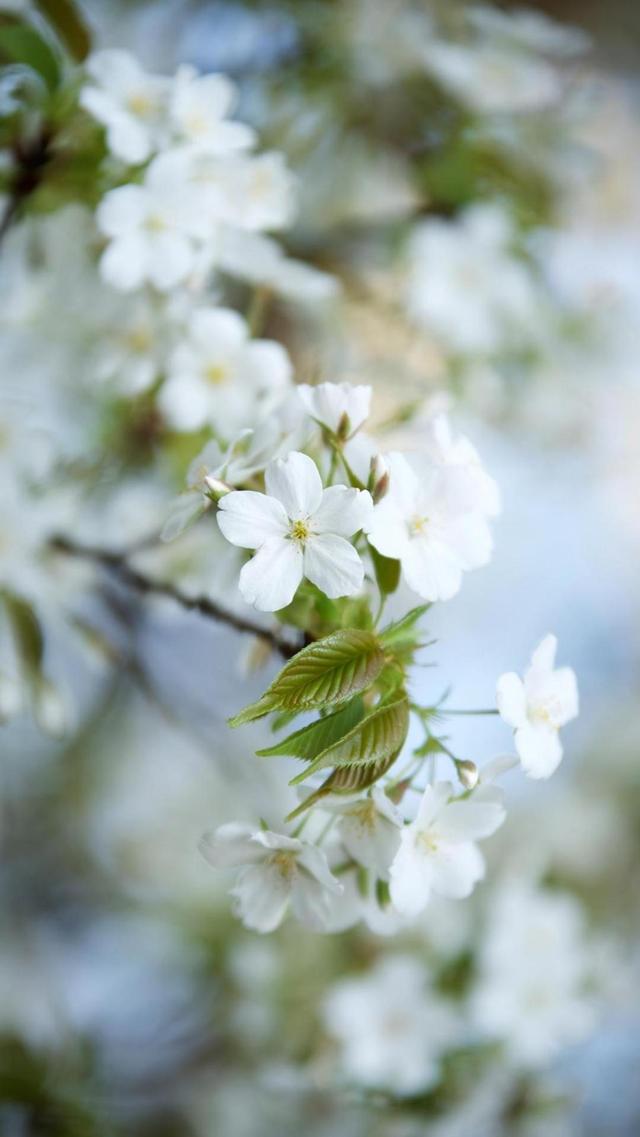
(118, 564)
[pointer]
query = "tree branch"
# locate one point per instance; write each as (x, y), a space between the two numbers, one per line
(118, 564)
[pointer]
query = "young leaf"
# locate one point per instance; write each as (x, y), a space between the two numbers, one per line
(373, 740)
(404, 632)
(347, 780)
(27, 631)
(387, 572)
(311, 740)
(65, 19)
(323, 674)
(20, 43)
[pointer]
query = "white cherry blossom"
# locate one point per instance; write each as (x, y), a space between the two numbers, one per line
(129, 103)
(369, 829)
(437, 852)
(391, 1029)
(494, 77)
(299, 530)
(276, 871)
(262, 192)
(537, 707)
(462, 460)
(198, 110)
(425, 521)
(219, 376)
(152, 231)
(331, 404)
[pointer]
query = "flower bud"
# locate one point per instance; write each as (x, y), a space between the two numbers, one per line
(378, 483)
(215, 488)
(344, 427)
(468, 773)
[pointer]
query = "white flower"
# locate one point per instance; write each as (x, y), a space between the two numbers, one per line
(219, 376)
(198, 109)
(260, 260)
(299, 530)
(534, 970)
(128, 102)
(537, 707)
(494, 77)
(392, 1031)
(276, 871)
(466, 286)
(131, 350)
(437, 851)
(331, 404)
(262, 192)
(369, 829)
(151, 230)
(462, 460)
(425, 521)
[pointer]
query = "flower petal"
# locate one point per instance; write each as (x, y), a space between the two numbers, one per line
(478, 816)
(270, 579)
(295, 482)
(539, 747)
(456, 869)
(231, 845)
(431, 569)
(511, 699)
(262, 893)
(248, 519)
(410, 876)
(343, 511)
(333, 565)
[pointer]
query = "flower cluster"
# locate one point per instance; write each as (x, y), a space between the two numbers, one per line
(329, 548)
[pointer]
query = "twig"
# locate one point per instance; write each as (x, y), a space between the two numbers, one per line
(118, 564)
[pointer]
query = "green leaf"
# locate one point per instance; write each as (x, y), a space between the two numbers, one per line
(65, 19)
(387, 572)
(20, 43)
(323, 674)
(27, 631)
(404, 633)
(311, 740)
(347, 780)
(373, 740)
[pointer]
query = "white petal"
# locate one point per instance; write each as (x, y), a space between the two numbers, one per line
(456, 869)
(333, 565)
(511, 699)
(295, 481)
(310, 903)
(231, 845)
(431, 569)
(372, 844)
(271, 578)
(123, 263)
(566, 692)
(170, 260)
(122, 210)
(473, 818)
(544, 655)
(219, 328)
(343, 511)
(315, 862)
(540, 749)
(434, 799)
(470, 539)
(410, 876)
(268, 364)
(248, 519)
(185, 402)
(387, 530)
(262, 894)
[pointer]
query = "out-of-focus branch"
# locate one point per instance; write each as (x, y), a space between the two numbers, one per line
(118, 564)
(31, 158)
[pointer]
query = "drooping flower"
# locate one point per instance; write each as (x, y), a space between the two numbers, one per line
(392, 1030)
(219, 376)
(299, 530)
(426, 521)
(335, 404)
(276, 871)
(129, 103)
(369, 828)
(438, 852)
(537, 707)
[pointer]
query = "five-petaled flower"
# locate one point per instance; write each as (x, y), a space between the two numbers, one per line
(275, 871)
(537, 707)
(438, 852)
(299, 530)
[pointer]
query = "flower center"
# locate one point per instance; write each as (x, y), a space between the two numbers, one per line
(300, 530)
(285, 863)
(548, 711)
(138, 340)
(365, 814)
(216, 374)
(418, 526)
(428, 841)
(155, 223)
(140, 104)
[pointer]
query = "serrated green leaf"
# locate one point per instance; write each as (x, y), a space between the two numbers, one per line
(378, 735)
(347, 780)
(387, 572)
(64, 17)
(318, 736)
(404, 631)
(20, 43)
(321, 675)
(27, 631)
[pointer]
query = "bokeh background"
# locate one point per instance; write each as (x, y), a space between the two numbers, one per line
(130, 1000)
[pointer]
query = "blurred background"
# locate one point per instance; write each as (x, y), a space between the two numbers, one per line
(496, 152)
